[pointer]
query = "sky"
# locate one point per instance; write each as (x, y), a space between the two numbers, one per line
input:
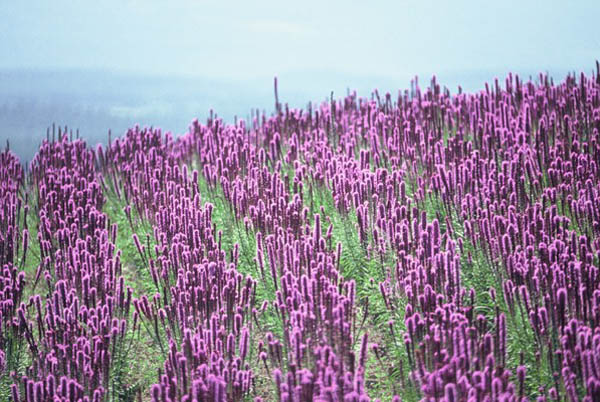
(137, 56)
(255, 39)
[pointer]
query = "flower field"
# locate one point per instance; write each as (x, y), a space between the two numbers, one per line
(413, 246)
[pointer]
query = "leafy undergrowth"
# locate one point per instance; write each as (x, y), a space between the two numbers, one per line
(140, 358)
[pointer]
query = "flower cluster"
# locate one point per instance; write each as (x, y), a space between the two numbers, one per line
(13, 252)
(78, 316)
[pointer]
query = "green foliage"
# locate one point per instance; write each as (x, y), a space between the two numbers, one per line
(138, 357)
(135, 271)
